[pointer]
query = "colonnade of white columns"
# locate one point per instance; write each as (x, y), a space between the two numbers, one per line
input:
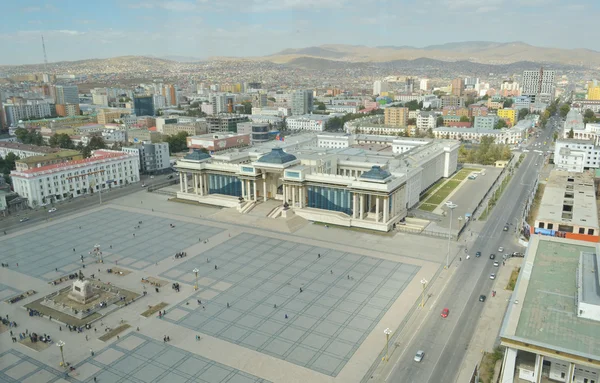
(249, 190)
(294, 194)
(199, 183)
(382, 207)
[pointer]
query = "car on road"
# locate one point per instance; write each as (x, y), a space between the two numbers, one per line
(52, 210)
(536, 164)
(143, 185)
(478, 254)
(505, 228)
(493, 276)
(24, 219)
(170, 177)
(518, 254)
(496, 263)
(419, 356)
(482, 298)
(445, 313)
(500, 249)
(492, 256)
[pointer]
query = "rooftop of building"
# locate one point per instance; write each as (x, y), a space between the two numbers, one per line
(543, 312)
(314, 117)
(28, 148)
(277, 156)
(216, 136)
(99, 155)
(50, 156)
(583, 199)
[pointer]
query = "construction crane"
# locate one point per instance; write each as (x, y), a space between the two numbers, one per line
(45, 56)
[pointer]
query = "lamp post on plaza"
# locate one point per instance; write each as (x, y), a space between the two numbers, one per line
(60, 344)
(424, 284)
(196, 272)
(450, 206)
(98, 252)
(387, 333)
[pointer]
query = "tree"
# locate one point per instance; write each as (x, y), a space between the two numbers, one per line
(272, 99)
(589, 116)
(334, 124)
(554, 136)
(469, 101)
(571, 133)
(321, 105)
(411, 121)
(464, 119)
(177, 142)
(508, 102)
(96, 142)
(247, 107)
(412, 105)
(430, 133)
(500, 124)
(523, 113)
(30, 137)
(61, 140)
(439, 121)
(564, 110)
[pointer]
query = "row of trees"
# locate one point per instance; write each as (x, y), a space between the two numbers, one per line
(487, 153)
(63, 141)
(337, 123)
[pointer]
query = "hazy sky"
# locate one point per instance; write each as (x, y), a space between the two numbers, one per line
(76, 29)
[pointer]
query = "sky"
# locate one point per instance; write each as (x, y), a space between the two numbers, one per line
(77, 30)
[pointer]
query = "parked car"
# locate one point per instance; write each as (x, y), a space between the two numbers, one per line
(419, 356)
(482, 298)
(52, 210)
(492, 256)
(478, 254)
(500, 249)
(143, 185)
(445, 313)
(505, 228)
(496, 263)
(24, 219)
(492, 276)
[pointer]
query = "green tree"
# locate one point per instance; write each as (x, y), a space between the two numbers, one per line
(411, 121)
(272, 99)
(469, 101)
(564, 110)
(412, 105)
(500, 124)
(554, 136)
(508, 102)
(464, 119)
(30, 137)
(177, 142)
(320, 105)
(334, 124)
(247, 107)
(96, 142)
(61, 140)
(523, 113)
(570, 134)
(589, 116)
(439, 121)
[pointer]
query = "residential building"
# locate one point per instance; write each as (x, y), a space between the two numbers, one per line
(108, 115)
(28, 110)
(458, 87)
(216, 142)
(351, 187)
(583, 105)
(24, 150)
(510, 88)
(192, 129)
(99, 96)
(143, 105)
(63, 181)
(225, 122)
(302, 102)
(169, 92)
(455, 111)
(550, 328)
(521, 102)
(455, 101)
(207, 108)
(380, 87)
(576, 155)
(61, 156)
(538, 85)
(426, 120)
(486, 122)
(162, 121)
(222, 103)
(66, 94)
(153, 157)
(312, 122)
(160, 102)
(396, 116)
(509, 136)
(259, 100)
(424, 84)
(593, 92)
(508, 114)
(143, 135)
(568, 207)
(114, 135)
(476, 110)
(67, 110)
(495, 105)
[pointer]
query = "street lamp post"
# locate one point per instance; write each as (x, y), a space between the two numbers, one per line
(196, 272)
(387, 333)
(450, 206)
(60, 344)
(424, 284)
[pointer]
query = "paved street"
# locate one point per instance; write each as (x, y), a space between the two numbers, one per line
(446, 340)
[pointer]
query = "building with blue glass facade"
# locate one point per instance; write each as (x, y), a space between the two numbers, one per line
(343, 183)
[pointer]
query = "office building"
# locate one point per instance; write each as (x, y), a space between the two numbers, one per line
(225, 122)
(550, 329)
(396, 116)
(311, 122)
(64, 94)
(153, 157)
(458, 87)
(380, 87)
(511, 136)
(63, 181)
(143, 105)
(170, 93)
(351, 187)
(409, 85)
(108, 116)
(258, 132)
(259, 100)
(508, 114)
(521, 102)
(61, 156)
(24, 150)
(455, 111)
(160, 102)
(99, 96)
(191, 128)
(67, 110)
(302, 102)
(424, 84)
(486, 122)
(455, 101)
(222, 103)
(538, 85)
(216, 142)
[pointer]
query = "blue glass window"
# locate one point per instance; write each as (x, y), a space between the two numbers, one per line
(227, 185)
(330, 199)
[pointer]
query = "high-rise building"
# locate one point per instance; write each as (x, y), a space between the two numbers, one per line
(66, 94)
(396, 116)
(379, 87)
(302, 102)
(143, 105)
(458, 86)
(409, 85)
(222, 103)
(424, 84)
(29, 110)
(99, 96)
(67, 110)
(538, 85)
(153, 157)
(259, 100)
(593, 91)
(169, 92)
(160, 102)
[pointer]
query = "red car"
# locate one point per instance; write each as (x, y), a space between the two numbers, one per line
(445, 313)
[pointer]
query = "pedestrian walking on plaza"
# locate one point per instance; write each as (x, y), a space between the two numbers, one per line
(300, 289)
(10, 332)
(286, 317)
(216, 267)
(275, 305)
(86, 337)
(91, 352)
(319, 256)
(227, 304)
(165, 339)
(331, 271)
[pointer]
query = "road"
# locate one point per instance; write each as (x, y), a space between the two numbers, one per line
(445, 340)
(12, 223)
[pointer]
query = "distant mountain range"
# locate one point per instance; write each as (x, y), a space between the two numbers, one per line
(483, 52)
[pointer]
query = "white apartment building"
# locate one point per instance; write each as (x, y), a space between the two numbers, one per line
(335, 140)
(424, 84)
(48, 184)
(342, 108)
(278, 112)
(114, 135)
(99, 96)
(576, 155)
(426, 120)
(32, 109)
(312, 122)
(538, 84)
(153, 157)
(509, 136)
(380, 87)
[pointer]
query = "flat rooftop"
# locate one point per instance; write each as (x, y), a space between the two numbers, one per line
(590, 287)
(546, 291)
(572, 189)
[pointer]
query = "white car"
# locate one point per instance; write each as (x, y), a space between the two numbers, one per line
(419, 356)
(492, 276)
(52, 210)
(500, 249)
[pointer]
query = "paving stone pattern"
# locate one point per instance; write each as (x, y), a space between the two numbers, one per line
(7, 292)
(41, 251)
(326, 322)
(16, 367)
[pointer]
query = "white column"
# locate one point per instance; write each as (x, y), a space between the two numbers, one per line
(196, 183)
(244, 189)
(376, 208)
(248, 189)
(255, 193)
(293, 195)
(185, 181)
(265, 189)
(386, 209)
(570, 373)
(301, 196)
(508, 367)
(284, 188)
(181, 182)
(362, 206)
(354, 203)
(539, 362)
(201, 176)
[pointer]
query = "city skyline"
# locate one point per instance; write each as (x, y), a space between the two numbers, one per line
(199, 29)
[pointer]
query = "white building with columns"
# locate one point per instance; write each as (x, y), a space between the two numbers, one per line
(551, 330)
(336, 184)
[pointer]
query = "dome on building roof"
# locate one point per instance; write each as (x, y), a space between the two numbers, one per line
(197, 155)
(277, 156)
(376, 173)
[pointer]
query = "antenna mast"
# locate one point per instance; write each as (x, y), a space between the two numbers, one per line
(45, 56)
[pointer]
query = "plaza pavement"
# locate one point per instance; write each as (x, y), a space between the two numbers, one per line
(374, 260)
